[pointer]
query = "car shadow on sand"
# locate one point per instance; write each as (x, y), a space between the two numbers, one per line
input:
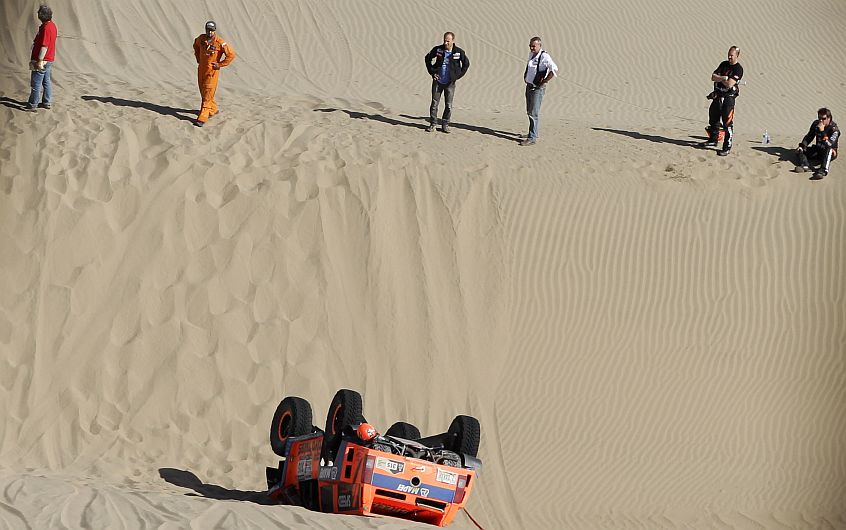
(186, 479)
(159, 109)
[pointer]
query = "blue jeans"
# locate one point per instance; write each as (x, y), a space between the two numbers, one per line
(37, 82)
(534, 97)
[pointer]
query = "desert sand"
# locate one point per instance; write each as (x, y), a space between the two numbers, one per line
(651, 336)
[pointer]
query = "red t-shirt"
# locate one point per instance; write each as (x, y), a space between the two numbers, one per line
(46, 36)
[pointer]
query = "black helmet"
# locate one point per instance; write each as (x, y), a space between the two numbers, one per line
(211, 26)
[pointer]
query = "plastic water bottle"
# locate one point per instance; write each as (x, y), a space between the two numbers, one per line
(765, 138)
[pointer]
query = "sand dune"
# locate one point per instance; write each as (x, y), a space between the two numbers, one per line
(650, 336)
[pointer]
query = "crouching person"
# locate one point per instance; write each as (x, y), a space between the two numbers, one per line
(824, 133)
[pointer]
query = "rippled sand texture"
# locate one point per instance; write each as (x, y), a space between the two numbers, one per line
(651, 336)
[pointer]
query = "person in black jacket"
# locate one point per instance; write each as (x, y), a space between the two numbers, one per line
(825, 132)
(446, 64)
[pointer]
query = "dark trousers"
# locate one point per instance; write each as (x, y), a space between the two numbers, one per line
(818, 154)
(437, 90)
(722, 109)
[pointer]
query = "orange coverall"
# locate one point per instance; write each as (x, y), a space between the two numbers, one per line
(210, 51)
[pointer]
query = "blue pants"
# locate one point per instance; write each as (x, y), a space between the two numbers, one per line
(41, 80)
(534, 97)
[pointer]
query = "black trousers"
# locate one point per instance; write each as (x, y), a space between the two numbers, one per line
(818, 154)
(722, 109)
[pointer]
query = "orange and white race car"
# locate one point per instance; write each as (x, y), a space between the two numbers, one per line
(350, 468)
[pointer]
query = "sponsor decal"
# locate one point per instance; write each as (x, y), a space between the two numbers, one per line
(414, 490)
(447, 477)
(346, 498)
(433, 491)
(344, 501)
(391, 466)
(304, 469)
(307, 454)
(328, 473)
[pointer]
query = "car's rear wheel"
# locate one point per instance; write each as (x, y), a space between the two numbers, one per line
(404, 430)
(292, 418)
(466, 432)
(345, 410)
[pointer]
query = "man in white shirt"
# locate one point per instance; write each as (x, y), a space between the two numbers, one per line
(540, 69)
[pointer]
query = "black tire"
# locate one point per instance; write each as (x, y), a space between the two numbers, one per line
(292, 418)
(405, 430)
(344, 410)
(466, 431)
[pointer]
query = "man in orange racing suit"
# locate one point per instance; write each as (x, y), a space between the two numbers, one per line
(212, 54)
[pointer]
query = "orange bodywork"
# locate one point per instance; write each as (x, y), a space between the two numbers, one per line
(366, 481)
(210, 51)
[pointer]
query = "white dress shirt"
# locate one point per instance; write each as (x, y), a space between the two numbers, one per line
(546, 63)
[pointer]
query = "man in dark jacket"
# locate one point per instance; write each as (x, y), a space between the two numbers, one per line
(825, 132)
(446, 64)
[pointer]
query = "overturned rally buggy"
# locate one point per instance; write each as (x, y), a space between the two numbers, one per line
(350, 468)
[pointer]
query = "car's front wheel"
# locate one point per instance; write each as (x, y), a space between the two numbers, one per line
(466, 433)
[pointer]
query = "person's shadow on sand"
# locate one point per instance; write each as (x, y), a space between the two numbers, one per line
(160, 109)
(375, 117)
(650, 137)
(784, 154)
(505, 135)
(186, 479)
(423, 125)
(12, 103)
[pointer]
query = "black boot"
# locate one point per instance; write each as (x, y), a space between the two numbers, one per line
(713, 136)
(726, 142)
(803, 162)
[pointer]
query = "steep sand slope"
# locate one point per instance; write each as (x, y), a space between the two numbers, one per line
(651, 336)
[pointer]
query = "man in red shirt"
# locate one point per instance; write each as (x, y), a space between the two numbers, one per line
(41, 61)
(212, 54)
